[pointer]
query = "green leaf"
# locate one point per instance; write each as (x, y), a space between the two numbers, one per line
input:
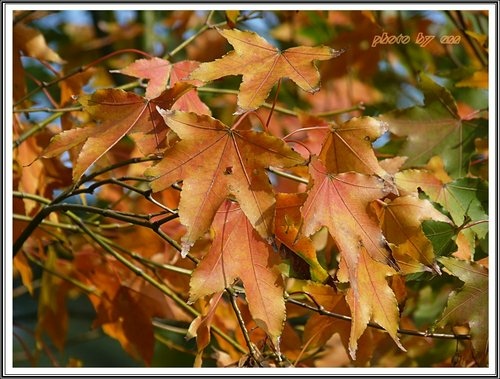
(436, 129)
(442, 236)
(467, 199)
(469, 304)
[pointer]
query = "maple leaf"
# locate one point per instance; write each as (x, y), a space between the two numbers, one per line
(442, 235)
(162, 74)
(371, 299)
(401, 221)
(157, 70)
(237, 251)
(340, 202)
(119, 113)
(262, 65)
(469, 304)
(349, 147)
(215, 161)
(435, 129)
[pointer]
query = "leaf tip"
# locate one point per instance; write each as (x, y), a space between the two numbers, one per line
(164, 112)
(185, 247)
(337, 53)
(240, 111)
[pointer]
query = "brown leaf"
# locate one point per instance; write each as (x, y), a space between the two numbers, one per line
(200, 328)
(340, 203)
(370, 299)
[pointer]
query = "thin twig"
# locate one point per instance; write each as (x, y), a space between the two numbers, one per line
(77, 70)
(244, 330)
(288, 175)
(76, 283)
(322, 311)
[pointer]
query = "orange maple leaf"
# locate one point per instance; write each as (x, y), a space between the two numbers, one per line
(370, 299)
(118, 113)
(162, 75)
(215, 161)
(340, 202)
(349, 147)
(156, 70)
(262, 65)
(239, 252)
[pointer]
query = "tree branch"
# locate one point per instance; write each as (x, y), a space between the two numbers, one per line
(322, 311)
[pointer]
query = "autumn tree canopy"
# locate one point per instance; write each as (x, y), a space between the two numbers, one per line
(250, 188)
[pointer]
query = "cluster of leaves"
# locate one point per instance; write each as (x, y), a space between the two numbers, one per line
(309, 230)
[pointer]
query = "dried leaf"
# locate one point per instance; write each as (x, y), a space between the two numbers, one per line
(200, 328)
(371, 299)
(340, 202)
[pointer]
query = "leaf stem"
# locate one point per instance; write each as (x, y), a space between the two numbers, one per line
(274, 103)
(358, 107)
